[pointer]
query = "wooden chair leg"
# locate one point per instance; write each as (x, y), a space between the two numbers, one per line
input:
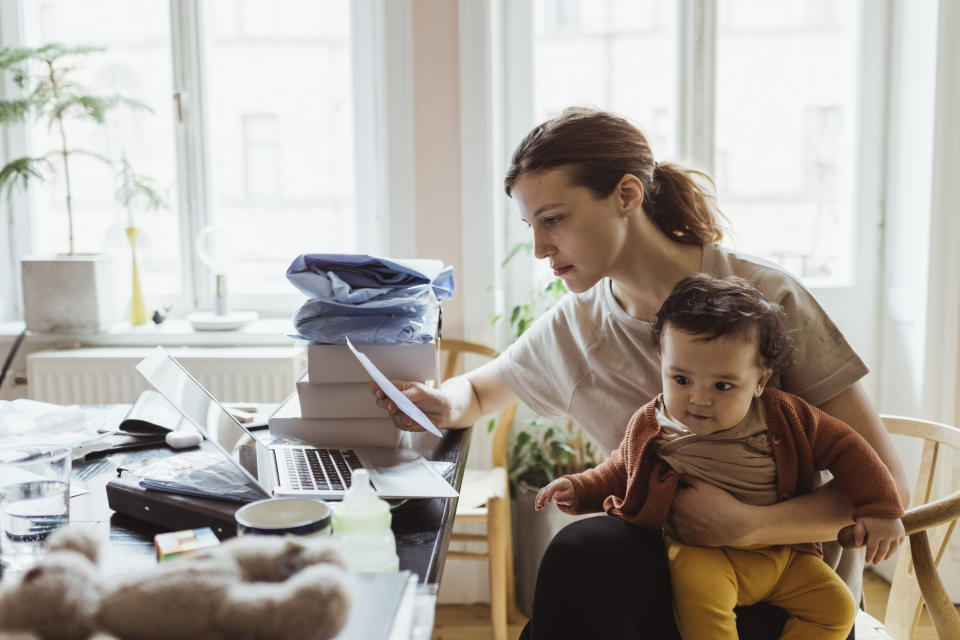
(945, 618)
(513, 613)
(497, 531)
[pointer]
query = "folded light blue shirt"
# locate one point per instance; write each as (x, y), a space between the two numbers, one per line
(370, 300)
(311, 274)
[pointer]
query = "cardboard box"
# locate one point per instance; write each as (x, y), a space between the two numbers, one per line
(338, 400)
(340, 432)
(334, 363)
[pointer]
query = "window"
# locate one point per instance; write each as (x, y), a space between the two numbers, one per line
(279, 127)
(251, 133)
(782, 132)
(783, 103)
(785, 133)
(261, 156)
(617, 54)
(135, 63)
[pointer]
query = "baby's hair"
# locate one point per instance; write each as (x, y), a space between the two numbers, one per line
(714, 307)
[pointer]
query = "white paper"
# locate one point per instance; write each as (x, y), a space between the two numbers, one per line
(402, 402)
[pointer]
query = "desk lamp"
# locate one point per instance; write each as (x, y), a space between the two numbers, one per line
(211, 253)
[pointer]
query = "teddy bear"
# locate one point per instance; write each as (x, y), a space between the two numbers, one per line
(256, 587)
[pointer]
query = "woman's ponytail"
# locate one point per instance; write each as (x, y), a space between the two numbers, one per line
(682, 203)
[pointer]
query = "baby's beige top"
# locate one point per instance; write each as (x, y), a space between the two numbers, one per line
(589, 359)
(738, 459)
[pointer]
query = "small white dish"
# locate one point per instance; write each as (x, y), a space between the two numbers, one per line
(210, 321)
(284, 516)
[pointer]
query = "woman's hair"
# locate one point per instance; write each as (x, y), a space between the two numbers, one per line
(714, 307)
(598, 148)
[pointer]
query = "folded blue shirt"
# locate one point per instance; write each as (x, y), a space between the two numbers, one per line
(370, 300)
(312, 274)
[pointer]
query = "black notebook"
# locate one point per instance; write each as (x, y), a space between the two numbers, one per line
(171, 511)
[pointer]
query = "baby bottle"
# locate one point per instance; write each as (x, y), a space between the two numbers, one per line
(361, 525)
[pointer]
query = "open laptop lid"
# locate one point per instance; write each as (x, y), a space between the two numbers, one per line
(175, 383)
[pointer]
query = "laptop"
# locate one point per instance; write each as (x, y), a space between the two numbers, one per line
(287, 468)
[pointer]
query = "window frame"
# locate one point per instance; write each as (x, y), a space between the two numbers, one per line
(696, 128)
(382, 77)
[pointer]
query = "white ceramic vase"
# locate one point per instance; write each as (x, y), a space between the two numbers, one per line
(69, 294)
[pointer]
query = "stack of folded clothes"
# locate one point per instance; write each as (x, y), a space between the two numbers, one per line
(389, 309)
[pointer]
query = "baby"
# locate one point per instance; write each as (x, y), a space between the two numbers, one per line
(720, 342)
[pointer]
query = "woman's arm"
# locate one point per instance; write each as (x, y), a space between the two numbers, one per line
(854, 407)
(705, 515)
(459, 402)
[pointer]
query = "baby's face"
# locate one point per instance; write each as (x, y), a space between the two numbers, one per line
(708, 385)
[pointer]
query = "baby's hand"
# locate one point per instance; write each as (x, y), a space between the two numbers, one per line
(882, 535)
(559, 491)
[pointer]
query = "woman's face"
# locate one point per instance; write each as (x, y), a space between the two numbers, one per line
(581, 235)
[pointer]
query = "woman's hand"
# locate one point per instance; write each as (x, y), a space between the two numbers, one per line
(560, 491)
(704, 515)
(882, 536)
(433, 402)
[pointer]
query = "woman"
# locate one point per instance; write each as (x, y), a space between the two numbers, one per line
(621, 230)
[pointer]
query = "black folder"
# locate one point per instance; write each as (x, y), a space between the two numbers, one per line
(171, 511)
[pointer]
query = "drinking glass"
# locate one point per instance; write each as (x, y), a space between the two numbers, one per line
(34, 500)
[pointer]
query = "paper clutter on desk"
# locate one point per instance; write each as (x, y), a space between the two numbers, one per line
(177, 543)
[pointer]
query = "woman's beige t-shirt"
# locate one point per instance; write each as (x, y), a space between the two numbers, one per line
(590, 360)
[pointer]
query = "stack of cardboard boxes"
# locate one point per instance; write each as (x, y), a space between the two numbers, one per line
(333, 404)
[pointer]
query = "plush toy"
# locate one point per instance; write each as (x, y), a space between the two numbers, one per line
(259, 587)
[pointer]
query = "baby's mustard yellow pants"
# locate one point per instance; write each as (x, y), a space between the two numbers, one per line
(708, 582)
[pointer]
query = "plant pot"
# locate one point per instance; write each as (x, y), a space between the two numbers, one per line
(69, 294)
(532, 532)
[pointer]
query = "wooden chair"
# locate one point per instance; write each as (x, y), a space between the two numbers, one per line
(929, 523)
(485, 497)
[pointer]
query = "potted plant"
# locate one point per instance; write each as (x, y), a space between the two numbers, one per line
(541, 450)
(71, 292)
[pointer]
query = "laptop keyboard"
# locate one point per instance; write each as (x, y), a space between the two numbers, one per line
(316, 469)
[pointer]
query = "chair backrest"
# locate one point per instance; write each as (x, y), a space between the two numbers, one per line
(454, 350)
(929, 522)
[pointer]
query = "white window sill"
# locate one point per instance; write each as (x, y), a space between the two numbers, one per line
(172, 333)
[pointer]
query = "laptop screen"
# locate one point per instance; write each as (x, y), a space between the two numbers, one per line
(167, 376)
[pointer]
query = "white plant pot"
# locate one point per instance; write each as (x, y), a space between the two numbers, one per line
(69, 294)
(532, 532)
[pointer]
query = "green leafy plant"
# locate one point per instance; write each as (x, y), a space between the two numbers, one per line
(45, 76)
(542, 449)
(138, 191)
(546, 449)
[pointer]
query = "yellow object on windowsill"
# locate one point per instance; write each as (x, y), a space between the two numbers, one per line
(138, 309)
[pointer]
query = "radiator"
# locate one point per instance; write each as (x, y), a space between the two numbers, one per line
(103, 375)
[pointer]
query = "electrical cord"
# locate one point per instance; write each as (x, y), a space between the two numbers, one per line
(13, 352)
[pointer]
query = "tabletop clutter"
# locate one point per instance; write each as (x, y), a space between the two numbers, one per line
(389, 309)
